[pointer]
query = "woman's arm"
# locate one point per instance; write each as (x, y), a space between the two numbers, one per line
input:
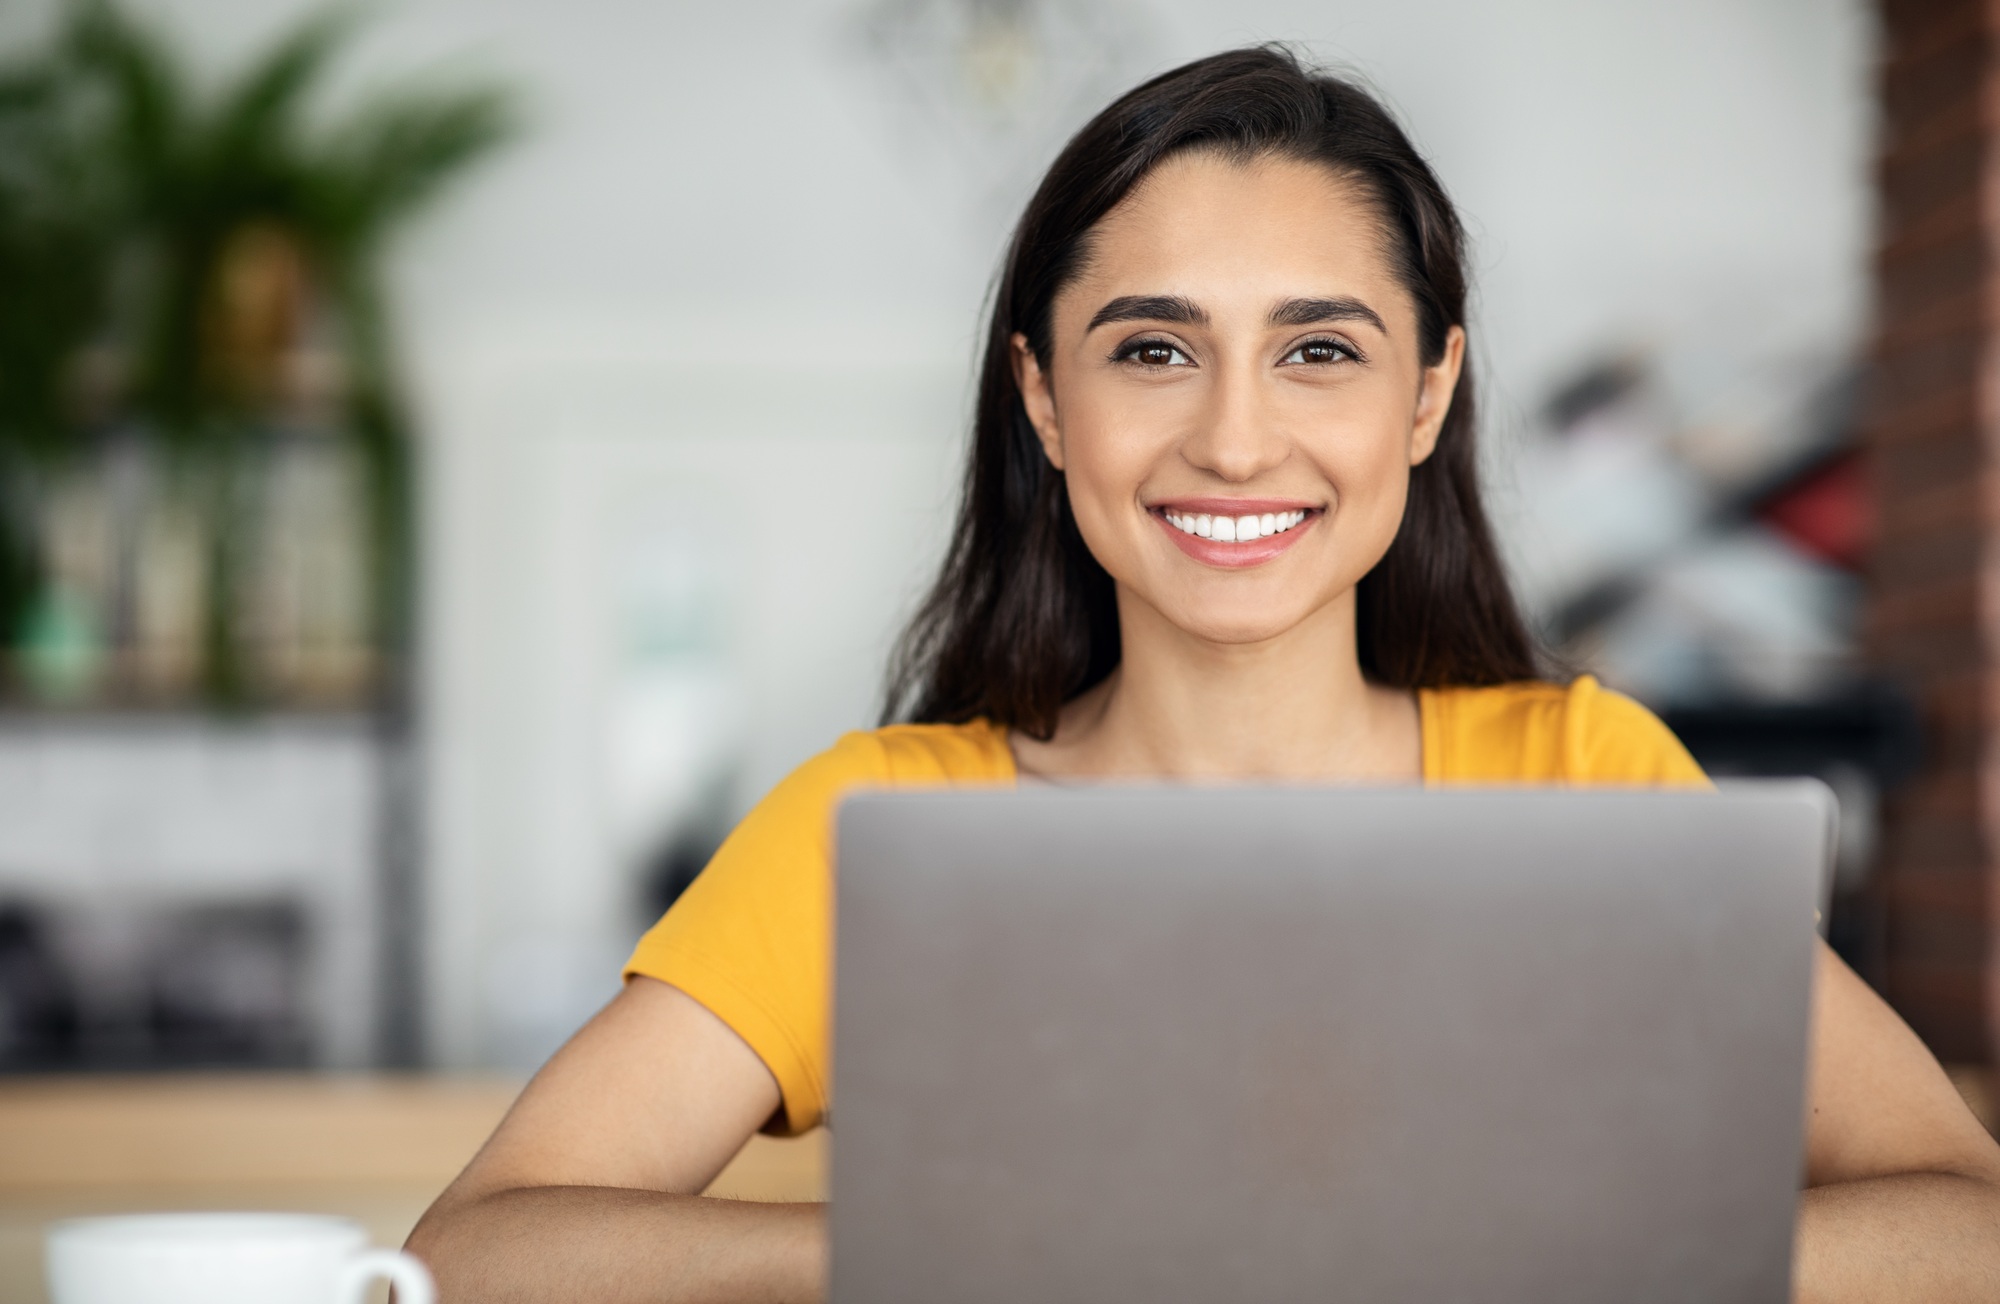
(1903, 1198)
(590, 1188)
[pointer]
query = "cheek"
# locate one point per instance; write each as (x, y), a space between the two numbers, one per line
(1106, 459)
(1371, 471)
(1371, 482)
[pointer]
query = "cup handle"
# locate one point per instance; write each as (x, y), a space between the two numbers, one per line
(406, 1272)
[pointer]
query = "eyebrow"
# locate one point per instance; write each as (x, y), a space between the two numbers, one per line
(1178, 308)
(1313, 312)
(1150, 307)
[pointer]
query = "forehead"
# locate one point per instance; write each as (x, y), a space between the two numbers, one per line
(1216, 228)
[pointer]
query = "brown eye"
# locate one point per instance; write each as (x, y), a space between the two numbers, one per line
(1152, 353)
(1320, 353)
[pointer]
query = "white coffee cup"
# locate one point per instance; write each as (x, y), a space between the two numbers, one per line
(224, 1258)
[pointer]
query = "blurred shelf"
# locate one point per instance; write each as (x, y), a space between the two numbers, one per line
(18, 718)
(113, 825)
(1872, 728)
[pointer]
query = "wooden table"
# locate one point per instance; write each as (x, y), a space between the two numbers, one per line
(376, 1149)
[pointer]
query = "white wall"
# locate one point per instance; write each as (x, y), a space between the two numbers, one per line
(729, 265)
(815, 491)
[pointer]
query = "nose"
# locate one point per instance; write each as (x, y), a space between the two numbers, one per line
(1236, 434)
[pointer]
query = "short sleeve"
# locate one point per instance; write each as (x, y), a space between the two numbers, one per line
(751, 937)
(1611, 739)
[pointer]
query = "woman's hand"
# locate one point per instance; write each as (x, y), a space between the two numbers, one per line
(590, 1188)
(1903, 1198)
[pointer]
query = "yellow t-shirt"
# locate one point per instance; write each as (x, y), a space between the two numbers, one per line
(750, 939)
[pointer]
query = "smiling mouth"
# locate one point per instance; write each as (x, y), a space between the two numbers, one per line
(1234, 529)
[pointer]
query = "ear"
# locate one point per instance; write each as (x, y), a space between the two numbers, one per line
(1038, 399)
(1434, 398)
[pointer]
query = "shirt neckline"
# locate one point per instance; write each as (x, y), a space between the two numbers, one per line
(1430, 745)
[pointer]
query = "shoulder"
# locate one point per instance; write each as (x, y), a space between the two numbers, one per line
(749, 938)
(1536, 732)
(974, 752)
(915, 755)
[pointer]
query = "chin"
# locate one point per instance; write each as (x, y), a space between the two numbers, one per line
(1237, 626)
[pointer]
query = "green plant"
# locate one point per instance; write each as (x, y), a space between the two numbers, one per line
(57, 235)
(164, 251)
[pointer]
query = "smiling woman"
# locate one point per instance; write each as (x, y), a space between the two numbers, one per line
(1221, 521)
(1232, 198)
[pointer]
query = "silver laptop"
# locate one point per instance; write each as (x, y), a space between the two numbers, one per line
(1123, 1045)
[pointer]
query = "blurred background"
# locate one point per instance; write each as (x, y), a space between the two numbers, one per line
(455, 455)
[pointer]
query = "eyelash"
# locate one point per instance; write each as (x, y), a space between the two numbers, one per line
(1131, 349)
(1342, 347)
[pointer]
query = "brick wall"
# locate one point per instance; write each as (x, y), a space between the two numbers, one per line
(1933, 436)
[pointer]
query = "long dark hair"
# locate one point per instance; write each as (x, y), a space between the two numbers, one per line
(1022, 618)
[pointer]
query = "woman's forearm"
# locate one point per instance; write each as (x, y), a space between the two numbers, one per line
(1933, 1237)
(611, 1246)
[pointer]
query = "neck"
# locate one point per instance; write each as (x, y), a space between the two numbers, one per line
(1294, 707)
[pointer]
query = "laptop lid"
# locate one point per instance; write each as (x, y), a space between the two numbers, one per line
(1119, 1044)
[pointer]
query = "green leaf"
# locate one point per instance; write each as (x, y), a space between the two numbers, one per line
(397, 155)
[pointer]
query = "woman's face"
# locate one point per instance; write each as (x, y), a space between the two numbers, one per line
(1235, 395)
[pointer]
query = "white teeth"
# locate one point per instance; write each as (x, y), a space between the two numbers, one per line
(1235, 529)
